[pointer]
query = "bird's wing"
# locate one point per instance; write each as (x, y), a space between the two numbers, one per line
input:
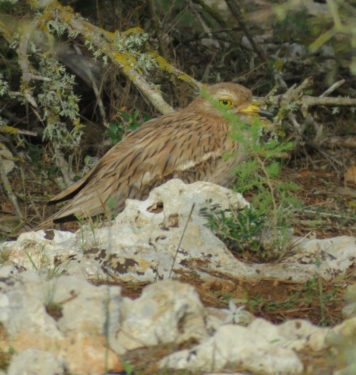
(71, 190)
(161, 147)
(114, 152)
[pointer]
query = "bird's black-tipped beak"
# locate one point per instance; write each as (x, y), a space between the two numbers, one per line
(254, 109)
(267, 114)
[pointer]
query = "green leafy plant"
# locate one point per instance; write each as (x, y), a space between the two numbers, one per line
(261, 232)
(59, 105)
(127, 122)
(239, 230)
(128, 368)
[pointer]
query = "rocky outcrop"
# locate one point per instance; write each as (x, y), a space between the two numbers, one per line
(53, 310)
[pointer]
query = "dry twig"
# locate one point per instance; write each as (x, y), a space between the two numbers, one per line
(335, 141)
(310, 101)
(9, 192)
(236, 12)
(294, 106)
(332, 88)
(181, 240)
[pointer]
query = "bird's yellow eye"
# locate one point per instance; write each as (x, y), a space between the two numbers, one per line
(226, 102)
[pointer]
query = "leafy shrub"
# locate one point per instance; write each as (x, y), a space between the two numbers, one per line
(261, 232)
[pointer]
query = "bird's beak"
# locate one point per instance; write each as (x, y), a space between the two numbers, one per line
(254, 109)
(251, 109)
(267, 114)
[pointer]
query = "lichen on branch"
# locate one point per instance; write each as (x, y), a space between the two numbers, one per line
(128, 50)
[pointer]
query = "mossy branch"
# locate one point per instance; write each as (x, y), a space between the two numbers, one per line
(104, 42)
(7, 129)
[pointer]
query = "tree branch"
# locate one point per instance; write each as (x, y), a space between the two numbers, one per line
(104, 42)
(310, 101)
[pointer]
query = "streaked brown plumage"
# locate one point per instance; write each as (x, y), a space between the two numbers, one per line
(188, 144)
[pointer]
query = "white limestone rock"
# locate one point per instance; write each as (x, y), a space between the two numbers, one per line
(149, 241)
(36, 362)
(296, 334)
(22, 308)
(38, 251)
(143, 242)
(258, 352)
(349, 311)
(64, 317)
(262, 347)
(167, 311)
(329, 256)
(86, 307)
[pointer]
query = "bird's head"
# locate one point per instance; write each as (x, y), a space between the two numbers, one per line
(230, 96)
